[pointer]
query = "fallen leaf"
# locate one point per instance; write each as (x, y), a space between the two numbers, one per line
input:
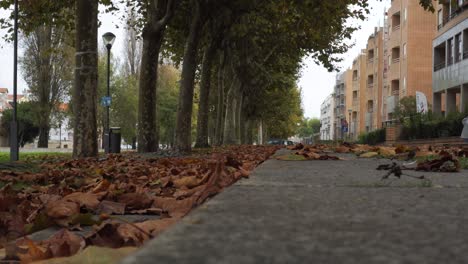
(64, 243)
(87, 200)
(369, 155)
(175, 208)
(108, 207)
(62, 211)
(135, 201)
(102, 186)
(93, 254)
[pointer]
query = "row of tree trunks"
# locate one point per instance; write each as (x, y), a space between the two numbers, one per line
(220, 107)
(184, 111)
(204, 104)
(231, 121)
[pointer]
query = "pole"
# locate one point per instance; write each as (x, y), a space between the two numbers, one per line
(108, 107)
(14, 150)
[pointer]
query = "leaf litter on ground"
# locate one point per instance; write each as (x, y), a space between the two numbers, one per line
(100, 192)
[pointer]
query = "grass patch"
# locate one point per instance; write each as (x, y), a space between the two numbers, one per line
(464, 163)
(36, 156)
(291, 157)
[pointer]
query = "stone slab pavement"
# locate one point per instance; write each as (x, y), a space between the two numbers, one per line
(323, 212)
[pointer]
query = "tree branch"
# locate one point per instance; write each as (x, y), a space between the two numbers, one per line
(160, 24)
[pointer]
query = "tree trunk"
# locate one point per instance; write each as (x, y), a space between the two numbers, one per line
(43, 141)
(220, 108)
(86, 80)
(148, 136)
(260, 133)
(205, 86)
(248, 132)
(239, 116)
(230, 136)
(184, 110)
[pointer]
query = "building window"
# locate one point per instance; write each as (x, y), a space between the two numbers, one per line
(439, 57)
(404, 50)
(458, 48)
(450, 51)
(465, 44)
(440, 19)
(396, 21)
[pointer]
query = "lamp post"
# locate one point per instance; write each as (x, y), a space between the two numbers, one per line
(349, 123)
(14, 150)
(108, 39)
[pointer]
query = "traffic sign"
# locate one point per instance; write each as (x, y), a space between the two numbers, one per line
(106, 101)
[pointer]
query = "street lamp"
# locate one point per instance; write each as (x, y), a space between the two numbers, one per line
(14, 150)
(108, 40)
(349, 123)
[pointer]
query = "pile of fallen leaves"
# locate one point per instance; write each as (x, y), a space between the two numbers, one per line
(441, 158)
(74, 194)
(312, 152)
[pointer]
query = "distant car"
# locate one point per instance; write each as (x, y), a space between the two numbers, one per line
(280, 142)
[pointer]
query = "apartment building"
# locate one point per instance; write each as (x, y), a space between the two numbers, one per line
(357, 109)
(339, 97)
(374, 69)
(450, 57)
(411, 30)
(326, 119)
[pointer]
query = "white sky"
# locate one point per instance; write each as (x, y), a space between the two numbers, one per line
(316, 82)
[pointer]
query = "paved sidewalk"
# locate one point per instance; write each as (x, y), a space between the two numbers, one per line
(323, 212)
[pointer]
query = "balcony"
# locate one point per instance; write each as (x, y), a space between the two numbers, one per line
(395, 71)
(355, 102)
(455, 12)
(396, 60)
(392, 103)
(395, 28)
(439, 66)
(371, 93)
(369, 119)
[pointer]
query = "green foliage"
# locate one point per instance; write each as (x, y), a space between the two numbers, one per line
(28, 129)
(308, 127)
(125, 106)
(282, 112)
(421, 126)
(406, 108)
(168, 92)
(373, 138)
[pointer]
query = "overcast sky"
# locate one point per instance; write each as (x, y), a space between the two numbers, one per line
(316, 82)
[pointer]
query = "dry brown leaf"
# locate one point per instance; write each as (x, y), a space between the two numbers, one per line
(135, 201)
(62, 211)
(175, 208)
(28, 251)
(88, 200)
(189, 182)
(64, 243)
(108, 207)
(102, 186)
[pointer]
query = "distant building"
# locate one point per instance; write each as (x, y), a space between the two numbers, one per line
(450, 49)
(339, 96)
(327, 119)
